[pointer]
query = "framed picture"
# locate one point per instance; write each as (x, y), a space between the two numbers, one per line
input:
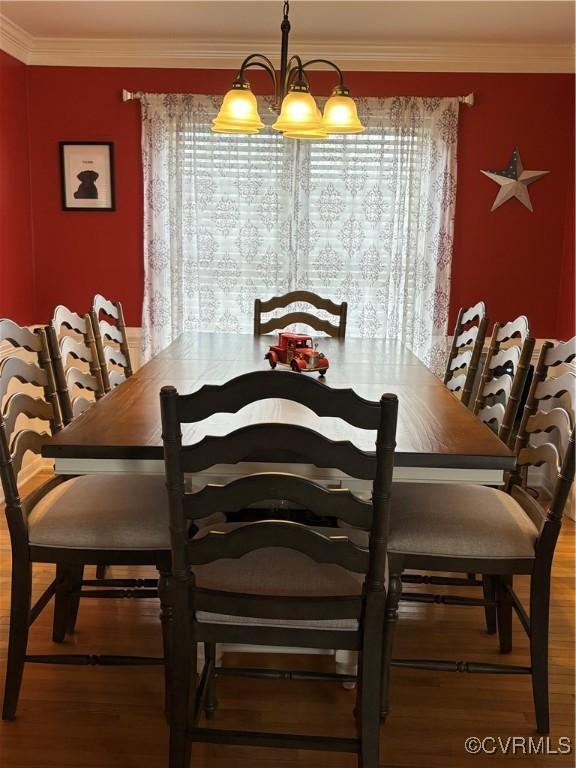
(87, 170)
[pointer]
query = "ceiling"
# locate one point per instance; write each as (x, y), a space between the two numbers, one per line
(89, 30)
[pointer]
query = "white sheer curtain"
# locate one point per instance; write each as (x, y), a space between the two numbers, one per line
(366, 218)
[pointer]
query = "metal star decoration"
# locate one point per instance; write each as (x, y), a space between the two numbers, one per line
(514, 182)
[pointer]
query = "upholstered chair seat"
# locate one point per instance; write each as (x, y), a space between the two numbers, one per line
(294, 574)
(458, 520)
(111, 512)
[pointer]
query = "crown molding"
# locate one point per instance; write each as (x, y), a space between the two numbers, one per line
(218, 54)
(14, 40)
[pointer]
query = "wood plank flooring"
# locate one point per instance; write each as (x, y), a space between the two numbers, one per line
(92, 717)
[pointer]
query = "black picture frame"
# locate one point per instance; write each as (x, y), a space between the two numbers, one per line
(89, 192)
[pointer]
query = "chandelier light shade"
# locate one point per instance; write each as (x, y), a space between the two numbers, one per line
(299, 116)
(238, 112)
(341, 115)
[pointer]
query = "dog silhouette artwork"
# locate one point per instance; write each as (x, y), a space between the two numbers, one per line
(87, 189)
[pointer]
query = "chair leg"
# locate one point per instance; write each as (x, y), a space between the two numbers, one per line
(166, 619)
(76, 574)
(489, 588)
(504, 613)
(62, 603)
(101, 571)
(539, 625)
(210, 702)
(391, 617)
(21, 592)
(183, 660)
(370, 681)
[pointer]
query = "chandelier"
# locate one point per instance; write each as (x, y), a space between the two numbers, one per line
(299, 116)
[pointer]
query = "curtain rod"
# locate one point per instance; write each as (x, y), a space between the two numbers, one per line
(133, 95)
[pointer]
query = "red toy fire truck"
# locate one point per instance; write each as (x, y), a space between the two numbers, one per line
(299, 352)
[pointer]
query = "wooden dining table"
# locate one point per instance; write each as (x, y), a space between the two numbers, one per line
(438, 439)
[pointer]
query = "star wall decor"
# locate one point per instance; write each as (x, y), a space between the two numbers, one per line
(514, 182)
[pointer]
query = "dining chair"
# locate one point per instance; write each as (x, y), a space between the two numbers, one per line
(90, 519)
(465, 351)
(275, 582)
(504, 376)
(466, 528)
(300, 316)
(75, 361)
(111, 341)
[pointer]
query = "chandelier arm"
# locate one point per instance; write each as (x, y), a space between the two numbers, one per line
(330, 64)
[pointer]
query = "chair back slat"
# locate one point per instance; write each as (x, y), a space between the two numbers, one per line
(114, 356)
(102, 304)
(546, 421)
(274, 486)
(461, 360)
(564, 352)
(110, 332)
(110, 336)
(509, 356)
(536, 456)
(276, 442)
(21, 403)
(465, 351)
(80, 405)
(500, 385)
(26, 373)
(456, 383)
(75, 348)
(505, 372)
(492, 415)
(467, 337)
(334, 546)
(77, 378)
(475, 313)
(235, 394)
(307, 297)
(519, 328)
(72, 320)
(556, 386)
(24, 441)
(20, 336)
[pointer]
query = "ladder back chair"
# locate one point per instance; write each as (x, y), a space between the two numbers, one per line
(97, 519)
(551, 396)
(275, 582)
(111, 341)
(504, 376)
(75, 361)
(340, 311)
(465, 351)
(500, 534)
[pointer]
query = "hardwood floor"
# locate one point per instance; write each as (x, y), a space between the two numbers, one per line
(97, 717)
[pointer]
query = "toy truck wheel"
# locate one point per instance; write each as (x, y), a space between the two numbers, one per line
(271, 360)
(323, 372)
(294, 366)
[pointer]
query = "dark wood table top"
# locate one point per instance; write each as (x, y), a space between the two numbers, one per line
(434, 428)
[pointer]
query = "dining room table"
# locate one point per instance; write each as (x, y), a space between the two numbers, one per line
(438, 438)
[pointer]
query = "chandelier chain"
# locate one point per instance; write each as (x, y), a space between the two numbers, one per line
(286, 8)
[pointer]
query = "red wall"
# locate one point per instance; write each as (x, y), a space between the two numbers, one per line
(516, 260)
(16, 255)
